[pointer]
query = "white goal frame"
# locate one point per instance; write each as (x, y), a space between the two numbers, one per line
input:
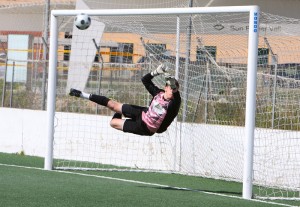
(251, 73)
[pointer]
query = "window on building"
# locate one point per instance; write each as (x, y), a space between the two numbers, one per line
(122, 54)
(201, 54)
(263, 56)
(68, 35)
(156, 49)
(67, 48)
(96, 59)
(67, 51)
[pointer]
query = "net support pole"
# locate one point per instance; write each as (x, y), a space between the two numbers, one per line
(274, 64)
(4, 81)
(250, 102)
(45, 50)
(177, 77)
(51, 93)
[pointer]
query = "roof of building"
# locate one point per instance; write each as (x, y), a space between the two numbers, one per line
(29, 15)
(287, 8)
(34, 6)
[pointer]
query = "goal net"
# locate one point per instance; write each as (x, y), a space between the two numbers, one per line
(276, 149)
(208, 53)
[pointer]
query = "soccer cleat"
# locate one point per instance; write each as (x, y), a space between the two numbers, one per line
(74, 92)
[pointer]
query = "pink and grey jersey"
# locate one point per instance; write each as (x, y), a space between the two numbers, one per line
(160, 113)
(156, 113)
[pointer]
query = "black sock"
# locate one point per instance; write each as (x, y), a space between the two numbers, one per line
(117, 116)
(102, 100)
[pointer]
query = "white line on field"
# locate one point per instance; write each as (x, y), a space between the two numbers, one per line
(151, 184)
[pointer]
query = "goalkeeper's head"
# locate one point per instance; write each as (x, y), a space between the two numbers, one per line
(171, 84)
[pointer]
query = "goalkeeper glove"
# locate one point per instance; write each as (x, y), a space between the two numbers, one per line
(159, 70)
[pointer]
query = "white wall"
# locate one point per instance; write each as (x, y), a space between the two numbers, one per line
(22, 129)
(212, 150)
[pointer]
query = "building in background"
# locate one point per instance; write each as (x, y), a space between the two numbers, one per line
(27, 17)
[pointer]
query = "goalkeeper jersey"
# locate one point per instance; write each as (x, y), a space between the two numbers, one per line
(156, 112)
(160, 113)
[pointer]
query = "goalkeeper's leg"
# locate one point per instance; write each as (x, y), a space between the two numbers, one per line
(101, 100)
(117, 122)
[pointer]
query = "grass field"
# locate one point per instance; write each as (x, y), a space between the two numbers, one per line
(23, 182)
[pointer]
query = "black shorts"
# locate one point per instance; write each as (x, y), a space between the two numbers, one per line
(135, 123)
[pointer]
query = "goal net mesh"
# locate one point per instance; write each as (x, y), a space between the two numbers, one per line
(206, 139)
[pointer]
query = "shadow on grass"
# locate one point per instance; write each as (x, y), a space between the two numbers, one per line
(192, 190)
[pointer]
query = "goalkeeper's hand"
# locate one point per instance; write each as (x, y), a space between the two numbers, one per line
(161, 69)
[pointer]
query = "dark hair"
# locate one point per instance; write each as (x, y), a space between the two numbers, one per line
(176, 83)
(171, 81)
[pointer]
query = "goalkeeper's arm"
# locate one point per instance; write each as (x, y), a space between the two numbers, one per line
(147, 79)
(149, 85)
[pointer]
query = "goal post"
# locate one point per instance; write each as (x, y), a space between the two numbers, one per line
(51, 91)
(251, 65)
(250, 103)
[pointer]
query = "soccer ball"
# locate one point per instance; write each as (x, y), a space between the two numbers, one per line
(82, 21)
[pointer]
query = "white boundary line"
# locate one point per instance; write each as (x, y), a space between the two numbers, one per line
(147, 183)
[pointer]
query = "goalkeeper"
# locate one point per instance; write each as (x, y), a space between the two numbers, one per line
(156, 118)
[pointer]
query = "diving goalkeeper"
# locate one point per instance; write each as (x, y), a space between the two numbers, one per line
(156, 118)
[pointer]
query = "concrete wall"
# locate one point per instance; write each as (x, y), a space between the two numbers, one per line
(23, 129)
(209, 150)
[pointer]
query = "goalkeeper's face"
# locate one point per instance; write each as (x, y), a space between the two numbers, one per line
(169, 92)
